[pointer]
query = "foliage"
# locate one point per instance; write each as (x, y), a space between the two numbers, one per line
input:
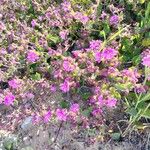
(95, 50)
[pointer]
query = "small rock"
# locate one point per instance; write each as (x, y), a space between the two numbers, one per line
(27, 123)
(27, 148)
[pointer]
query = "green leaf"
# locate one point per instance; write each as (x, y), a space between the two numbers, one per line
(36, 76)
(123, 87)
(146, 114)
(87, 112)
(8, 145)
(64, 104)
(106, 28)
(136, 59)
(116, 136)
(132, 111)
(146, 97)
(53, 38)
(142, 1)
(85, 96)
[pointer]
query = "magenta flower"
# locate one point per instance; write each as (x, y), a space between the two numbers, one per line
(61, 114)
(108, 53)
(111, 102)
(114, 20)
(100, 101)
(14, 83)
(146, 61)
(95, 44)
(65, 87)
(9, 99)
(47, 116)
(98, 57)
(32, 56)
(29, 95)
(66, 6)
(81, 17)
(96, 111)
(74, 108)
(53, 88)
(33, 23)
(67, 66)
(36, 118)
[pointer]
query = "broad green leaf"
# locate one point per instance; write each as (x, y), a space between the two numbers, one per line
(64, 104)
(132, 111)
(123, 87)
(146, 97)
(116, 136)
(53, 38)
(146, 114)
(136, 59)
(36, 76)
(85, 96)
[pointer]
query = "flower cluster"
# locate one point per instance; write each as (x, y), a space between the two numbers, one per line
(67, 49)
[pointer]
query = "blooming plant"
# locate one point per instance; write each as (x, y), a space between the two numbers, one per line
(87, 51)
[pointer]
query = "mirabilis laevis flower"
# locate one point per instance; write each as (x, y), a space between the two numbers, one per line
(146, 61)
(65, 87)
(61, 114)
(9, 99)
(111, 102)
(108, 53)
(114, 20)
(68, 66)
(14, 83)
(32, 56)
(47, 116)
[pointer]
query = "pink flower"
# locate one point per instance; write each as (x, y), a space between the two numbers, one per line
(100, 101)
(108, 53)
(74, 108)
(114, 20)
(63, 34)
(14, 83)
(47, 116)
(9, 99)
(53, 88)
(61, 114)
(67, 66)
(29, 95)
(132, 74)
(81, 17)
(33, 23)
(66, 6)
(36, 118)
(146, 61)
(111, 102)
(65, 87)
(98, 57)
(58, 74)
(95, 44)
(96, 112)
(32, 56)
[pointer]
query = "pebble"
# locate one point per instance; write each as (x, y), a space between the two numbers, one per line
(27, 123)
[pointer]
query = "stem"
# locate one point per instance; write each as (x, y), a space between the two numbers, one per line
(57, 133)
(138, 100)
